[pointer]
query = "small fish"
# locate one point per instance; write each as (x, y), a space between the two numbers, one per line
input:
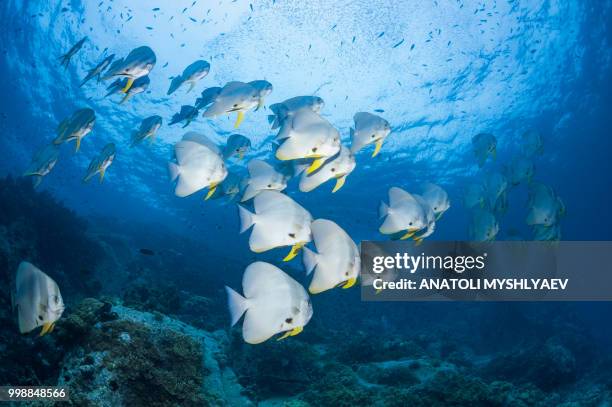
(75, 127)
(236, 97)
(139, 86)
(237, 144)
(139, 62)
(338, 168)
(278, 221)
(263, 89)
(65, 59)
(273, 303)
(483, 145)
(97, 70)
(186, 115)
(199, 165)
(37, 298)
(545, 208)
(231, 187)
(101, 162)
(336, 263)
(308, 135)
(148, 128)
(483, 226)
(398, 44)
(404, 213)
(436, 198)
(369, 129)
(43, 162)
(191, 75)
(147, 252)
(262, 177)
(281, 111)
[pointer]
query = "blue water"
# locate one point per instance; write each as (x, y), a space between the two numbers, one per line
(464, 67)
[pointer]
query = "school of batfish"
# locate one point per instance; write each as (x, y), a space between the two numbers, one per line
(307, 147)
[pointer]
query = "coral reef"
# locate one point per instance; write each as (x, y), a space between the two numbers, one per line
(36, 227)
(274, 369)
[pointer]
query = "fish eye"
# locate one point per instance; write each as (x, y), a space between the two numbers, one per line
(410, 224)
(289, 320)
(435, 208)
(235, 104)
(292, 235)
(269, 185)
(333, 170)
(373, 135)
(346, 273)
(314, 149)
(40, 317)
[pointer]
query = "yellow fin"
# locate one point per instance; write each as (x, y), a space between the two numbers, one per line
(294, 251)
(78, 144)
(378, 291)
(418, 241)
(45, 328)
(128, 85)
(240, 155)
(293, 332)
(102, 172)
(51, 329)
(494, 153)
(239, 119)
(350, 282)
(318, 162)
(377, 148)
(407, 235)
(339, 183)
(211, 191)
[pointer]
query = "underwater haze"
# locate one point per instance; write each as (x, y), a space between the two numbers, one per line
(142, 259)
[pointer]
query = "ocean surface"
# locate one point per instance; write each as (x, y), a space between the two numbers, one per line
(135, 261)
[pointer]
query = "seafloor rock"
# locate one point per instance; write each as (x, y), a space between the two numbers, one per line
(402, 373)
(275, 368)
(143, 359)
(548, 366)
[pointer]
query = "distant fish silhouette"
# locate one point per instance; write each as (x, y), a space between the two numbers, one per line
(147, 252)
